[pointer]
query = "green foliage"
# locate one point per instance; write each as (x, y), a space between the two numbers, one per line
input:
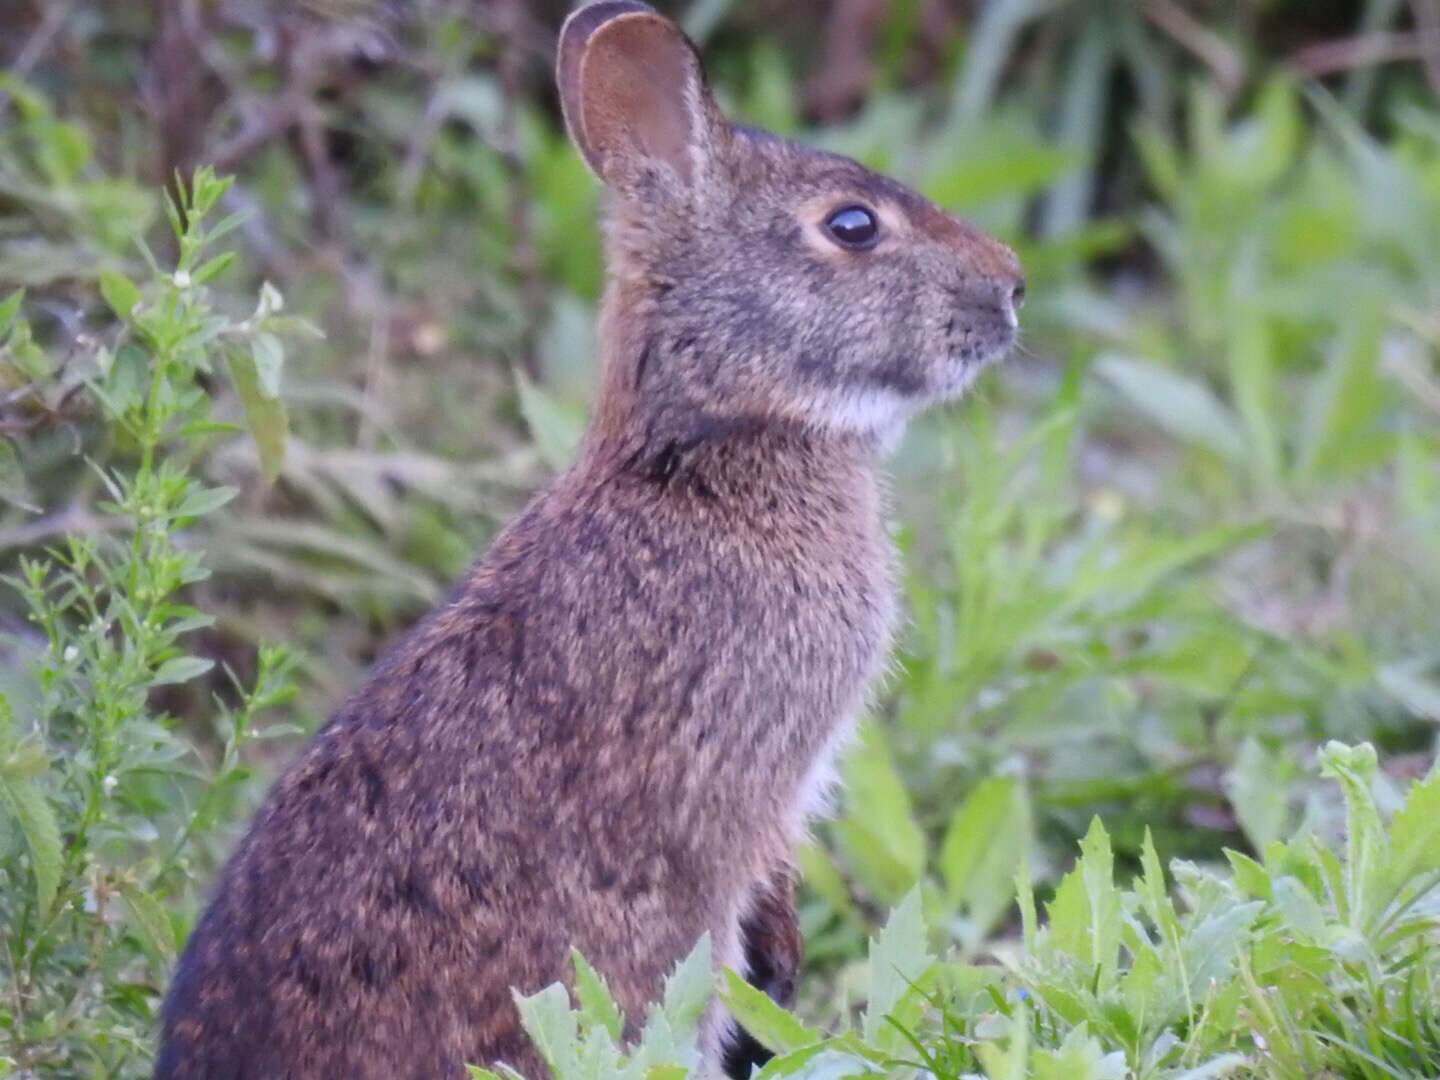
(585, 1043)
(1190, 533)
(1319, 961)
(103, 798)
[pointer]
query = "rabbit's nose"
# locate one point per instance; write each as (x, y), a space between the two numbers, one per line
(1011, 292)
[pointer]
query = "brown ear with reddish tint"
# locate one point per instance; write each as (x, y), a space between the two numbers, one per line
(633, 92)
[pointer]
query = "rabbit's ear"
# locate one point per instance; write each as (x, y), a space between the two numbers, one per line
(633, 92)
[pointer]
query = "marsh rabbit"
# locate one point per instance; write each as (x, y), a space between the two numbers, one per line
(614, 731)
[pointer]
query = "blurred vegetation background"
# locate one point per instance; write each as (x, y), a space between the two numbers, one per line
(1188, 533)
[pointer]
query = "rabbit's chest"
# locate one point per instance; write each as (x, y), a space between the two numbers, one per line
(810, 633)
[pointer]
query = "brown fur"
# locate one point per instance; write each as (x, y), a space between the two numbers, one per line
(613, 732)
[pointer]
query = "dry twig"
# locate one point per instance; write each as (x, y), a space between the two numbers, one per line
(1328, 57)
(1210, 48)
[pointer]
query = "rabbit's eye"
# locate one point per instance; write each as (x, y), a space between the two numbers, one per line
(853, 227)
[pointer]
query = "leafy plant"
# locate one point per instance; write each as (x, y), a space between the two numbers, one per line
(587, 1043)
(104, 797)
(1320, 960)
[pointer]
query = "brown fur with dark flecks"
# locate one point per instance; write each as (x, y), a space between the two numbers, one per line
(612, 734)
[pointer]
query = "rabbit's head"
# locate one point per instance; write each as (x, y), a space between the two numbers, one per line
(755, 280)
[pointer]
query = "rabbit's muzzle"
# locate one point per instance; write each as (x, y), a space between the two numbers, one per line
(983, 324)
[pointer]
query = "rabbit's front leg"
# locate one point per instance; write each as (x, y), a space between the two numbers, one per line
(770, 933)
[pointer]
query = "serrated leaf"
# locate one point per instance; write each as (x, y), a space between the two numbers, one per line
(1154, 895)
(1250, 876)
(1085, 913)
(1211, 946)
(26, 803)
(898, 958)
(690, 986)
(181, 669)
(265, 416)
(1414, 837)
(672, 1028)
(774, 1027)
(1080, 1057)
(547, 1019)
(597, 1007)
(119, 292)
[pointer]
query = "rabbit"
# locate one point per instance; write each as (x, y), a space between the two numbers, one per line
(617, 728)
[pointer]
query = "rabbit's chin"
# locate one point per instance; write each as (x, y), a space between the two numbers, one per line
(880, 413)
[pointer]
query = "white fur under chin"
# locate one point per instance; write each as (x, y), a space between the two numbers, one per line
(876, 413)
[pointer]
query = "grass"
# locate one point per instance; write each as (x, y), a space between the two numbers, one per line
(1180, 543)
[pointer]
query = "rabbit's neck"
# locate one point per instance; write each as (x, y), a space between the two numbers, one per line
(737, 464)
(670, 436)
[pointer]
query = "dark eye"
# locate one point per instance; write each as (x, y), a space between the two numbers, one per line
(853, 227)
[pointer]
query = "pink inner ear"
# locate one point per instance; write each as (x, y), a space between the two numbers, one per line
(639, 93)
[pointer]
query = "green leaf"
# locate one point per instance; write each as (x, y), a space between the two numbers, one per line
(672, 1029)
(555, 427)
(1154, 895)
(1406, 682)
(770, 1024)
(147, 921)
(899, 957)
(265, 415)
(1085, 916)
(20, 793)
(690, 986)
(269, 356)
(1250, 876)
(14, 488)
(1080, 1056)
(180, 669)
(597, 1007)
(878, 830)
(1257, 787)
(202, 501)
(1025, 899)
(119, 292)
(1180, 406)
(1414, 837)
(984, 846)
(9, 308)
(213, 268)
(547, 1019)
(1339, 425)
(1252, 379)
(1354, 767)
